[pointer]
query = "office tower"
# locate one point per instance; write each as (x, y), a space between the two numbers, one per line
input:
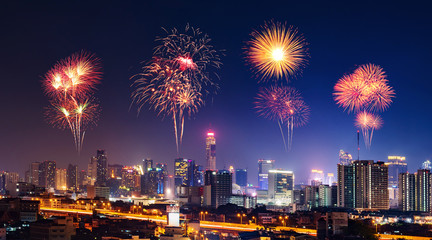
(60, 179)
(34, 173)
(263, 168)
(155, 181)
(426, 165)
(364, 185)
(316, 177)
(11, 179)
(407, 192)
(311, 196)
(92, 171)
(209, 190)
(396, 165)
(223, 189)
(415, 191)
(147, 164)
(191, 173)
(199, 176)
(72, 177)
(345, 186)
(47, 170)
(241, 177)
(82, 179)
(324, 195)
(344, 158)
(280, 186)
(211, 151)
(115, 170)
(102, 168)
(2, 183)
(181, 171)
(131, 179)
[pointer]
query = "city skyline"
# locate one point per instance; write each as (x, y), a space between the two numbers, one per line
(243, 137)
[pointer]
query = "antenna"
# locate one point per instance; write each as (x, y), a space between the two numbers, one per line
(358, 145)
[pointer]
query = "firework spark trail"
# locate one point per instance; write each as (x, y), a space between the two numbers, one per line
(286, 106)
(70, 85)
(276, 51)
(174, 83)
(368, 122)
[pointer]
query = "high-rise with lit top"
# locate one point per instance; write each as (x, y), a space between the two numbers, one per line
(211, 150)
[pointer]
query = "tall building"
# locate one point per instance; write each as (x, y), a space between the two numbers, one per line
(211, 151)
(92, 171)
(280, 186)
(181, 170)
(60, 179)
(102, 168)
(223, 188)
(364, 185)
(115, 170)
(147, 164)
(263, 168)
(241, 177)
(396, 165)
(324, 195)
(34, 173)
(415, 191)
(72, 177)
(47, 173)
(316, 177)
(199, 176)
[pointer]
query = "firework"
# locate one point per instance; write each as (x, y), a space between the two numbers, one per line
(276, 51)
(367, 88)
(70, 85)
(192, 54)
(174, 82)
(368, 122)
(286, 106)
(75, 76)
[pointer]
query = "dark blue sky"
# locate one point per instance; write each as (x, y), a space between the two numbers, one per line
(341, 35)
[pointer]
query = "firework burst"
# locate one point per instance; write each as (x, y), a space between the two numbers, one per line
(276, 51)
(286, 106)
(368, 122)
(174, 82)
(69, 86)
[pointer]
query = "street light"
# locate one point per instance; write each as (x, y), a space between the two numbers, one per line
(241, 217)
(254, 218)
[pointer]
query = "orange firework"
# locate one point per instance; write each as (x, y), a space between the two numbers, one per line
(69, 85)
(286, 106)
(367, 88)
(368, 122)
(76, 76)
(276, 51)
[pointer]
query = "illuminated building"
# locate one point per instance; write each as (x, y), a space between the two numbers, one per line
(223, 187)
(155, 181)
(363, 185)
(61, 178)
(181, 171)
(72, 177)
(11, 178)
(316, 177)
(396, 165)
(330, 179)
(209, 195)
(345, 158)
(2, 183)
(211, 151)
(263, 168)
(147, 164)
(102, 170)
(241, 177)
(34, 173)
(280, 186)
(415, 191)
(199, 176)
(131, 179)
(324, 196)
(92, 171)
(47, 174)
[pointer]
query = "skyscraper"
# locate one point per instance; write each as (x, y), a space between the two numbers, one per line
(316, 176)
(180, 171)
(47, 174)
(396, 165)
(344, 158)
(369, 182)
(426, 165)
(263, 168)
(147, 164)
(34, 173)
(211, 151)
(407, 192)
(72, 177)
(415, 191)
(60, 179)
(241, 177)
(280, 186)
(223, 187)
(102, 168)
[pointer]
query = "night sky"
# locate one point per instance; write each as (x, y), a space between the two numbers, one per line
(341, 36)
